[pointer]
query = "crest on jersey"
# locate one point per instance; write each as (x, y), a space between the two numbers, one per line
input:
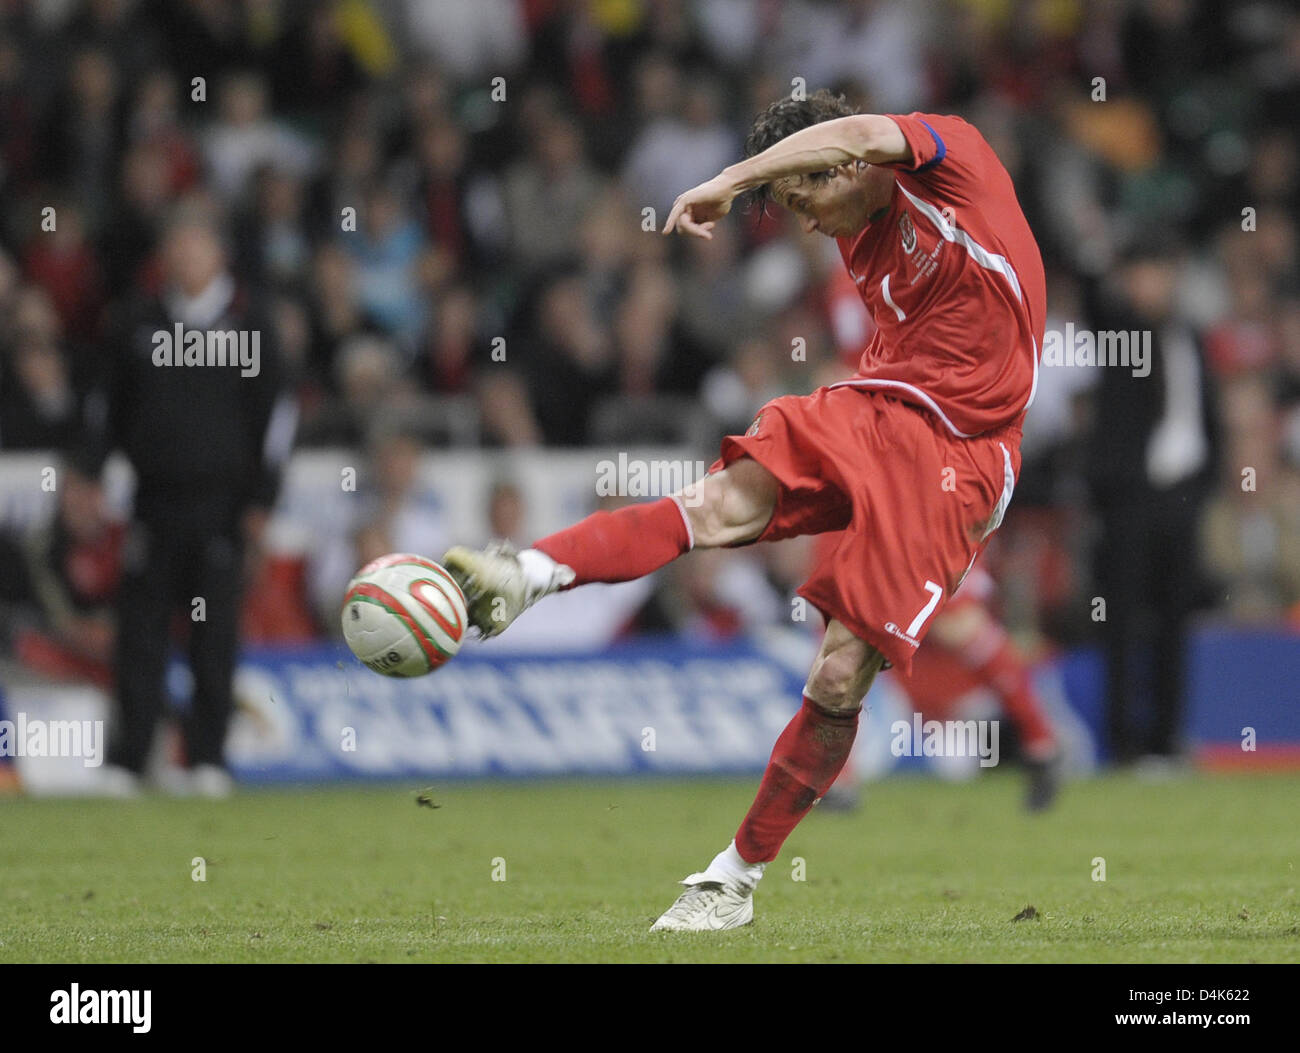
(907, 231)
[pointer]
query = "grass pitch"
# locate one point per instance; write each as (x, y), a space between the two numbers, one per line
(1198, 869)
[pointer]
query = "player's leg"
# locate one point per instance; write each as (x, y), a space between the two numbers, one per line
(970, 633)
(725, 507)
(815, 746)
(805, 761)
(730, 506)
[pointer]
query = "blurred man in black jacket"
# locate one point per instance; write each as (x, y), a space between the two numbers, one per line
(1151, 463)
(191, 385)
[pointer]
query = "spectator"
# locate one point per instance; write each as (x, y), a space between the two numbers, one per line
(387, 250)
(680, 150)
(314, 70)
(144, 196)
(18, 122)
(1151, 461)
(401, 514)
(547, 194)
(507, 514)
(463, 215)
(271, 235)
(59, 582)
(39, 407)
(392, 511)
(368, 375)
(654, 353)
(337, 314)
(63, 262)
(206, 460)
(246, 137)
(455, 346)
(473, 42)
(354, 166)
(155, 121)
(1244, 341)
(570, 359)
(80, 137)
(1252, 526)
(712, 295)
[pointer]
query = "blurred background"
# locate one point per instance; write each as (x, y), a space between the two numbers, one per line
(448, 211)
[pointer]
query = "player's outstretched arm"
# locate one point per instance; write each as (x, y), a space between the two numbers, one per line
(868, 137)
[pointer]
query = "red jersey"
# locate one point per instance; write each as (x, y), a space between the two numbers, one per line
(953, 278)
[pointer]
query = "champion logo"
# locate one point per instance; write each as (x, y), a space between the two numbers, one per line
(893, 630)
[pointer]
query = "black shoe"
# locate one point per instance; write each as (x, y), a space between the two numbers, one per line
(1044, 782)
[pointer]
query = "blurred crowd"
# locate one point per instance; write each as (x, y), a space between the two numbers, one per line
(451, 209)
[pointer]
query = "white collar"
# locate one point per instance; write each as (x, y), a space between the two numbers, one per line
(199, 312)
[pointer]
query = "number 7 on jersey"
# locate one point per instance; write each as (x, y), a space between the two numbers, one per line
(936, 594)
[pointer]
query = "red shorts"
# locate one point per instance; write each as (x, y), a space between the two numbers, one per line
(940, 679)
(915, 504)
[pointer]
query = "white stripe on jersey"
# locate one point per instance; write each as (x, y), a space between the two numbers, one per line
(988, 260)
(884, 291)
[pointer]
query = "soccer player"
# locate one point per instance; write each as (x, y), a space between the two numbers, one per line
(914, 459)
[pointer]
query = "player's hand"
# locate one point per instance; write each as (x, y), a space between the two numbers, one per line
(697, 210)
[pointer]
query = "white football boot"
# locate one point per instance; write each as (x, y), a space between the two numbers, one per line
(116, 781)
(719, 897)
(500, 583)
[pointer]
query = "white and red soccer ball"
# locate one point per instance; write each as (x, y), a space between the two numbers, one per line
(404, 615)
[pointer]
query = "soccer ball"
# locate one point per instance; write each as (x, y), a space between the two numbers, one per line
(404, 615)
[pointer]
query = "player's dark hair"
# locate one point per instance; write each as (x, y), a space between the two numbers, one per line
(787, 116)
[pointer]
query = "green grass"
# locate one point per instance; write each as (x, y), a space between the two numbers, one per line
(1198, 869)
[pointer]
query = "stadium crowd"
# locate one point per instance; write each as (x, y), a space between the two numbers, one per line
(451, 211)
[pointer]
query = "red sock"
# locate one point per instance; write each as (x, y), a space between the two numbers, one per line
(805, 761)
(995, 661)
(622, 545)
